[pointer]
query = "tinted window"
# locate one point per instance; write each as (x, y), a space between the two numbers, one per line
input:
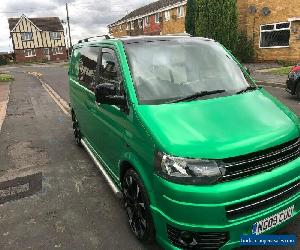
(87, 67)
(109, 69)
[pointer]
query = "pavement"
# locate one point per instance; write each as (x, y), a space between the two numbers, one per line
(266, 78)
(51, 194)
(4, 93)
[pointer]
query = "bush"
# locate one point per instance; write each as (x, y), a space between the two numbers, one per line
(3, 60)
(244, 51)
(218, 20)
(6, 78)
(190, 17)
(286, 63)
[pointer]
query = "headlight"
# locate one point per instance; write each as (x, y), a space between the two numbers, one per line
(188, 171)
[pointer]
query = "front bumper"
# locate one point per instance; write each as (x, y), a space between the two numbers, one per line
(203, 208)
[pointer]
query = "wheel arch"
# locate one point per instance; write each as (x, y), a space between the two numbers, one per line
(132, 162)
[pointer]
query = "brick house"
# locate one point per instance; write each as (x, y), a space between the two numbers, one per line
(272, 25)
(158, 18)
(37, 39)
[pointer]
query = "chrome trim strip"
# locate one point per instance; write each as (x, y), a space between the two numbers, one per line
(109, 180)
(237, 163)
(264, 200)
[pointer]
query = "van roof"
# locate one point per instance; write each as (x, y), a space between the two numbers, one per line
(139, 39)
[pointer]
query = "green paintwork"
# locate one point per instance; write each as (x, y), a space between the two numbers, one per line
(214, 128)
(219, 128)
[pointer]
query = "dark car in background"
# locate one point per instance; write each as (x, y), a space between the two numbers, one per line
(293, 82)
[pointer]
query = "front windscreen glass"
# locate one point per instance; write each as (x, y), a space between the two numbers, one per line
(167, 70)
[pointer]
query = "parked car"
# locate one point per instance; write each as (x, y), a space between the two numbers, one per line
(199, 153)
(293, 82)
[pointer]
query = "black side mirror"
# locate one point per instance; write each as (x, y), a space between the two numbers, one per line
(106, 94)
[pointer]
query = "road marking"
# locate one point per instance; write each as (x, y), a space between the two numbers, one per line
(56, 98)
(61, 103)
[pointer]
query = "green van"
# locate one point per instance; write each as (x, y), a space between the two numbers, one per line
(199, 153)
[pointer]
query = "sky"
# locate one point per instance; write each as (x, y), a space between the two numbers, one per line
(87, 17)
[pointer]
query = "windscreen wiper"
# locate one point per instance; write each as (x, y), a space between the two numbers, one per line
(249, 88)
(198, 95)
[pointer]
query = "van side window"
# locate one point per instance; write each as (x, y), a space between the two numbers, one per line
(87, 67)
(109, 69)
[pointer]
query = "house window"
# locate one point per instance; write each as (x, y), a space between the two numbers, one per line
(46, 51)
(167, 15)
(54, 35)
(180, 11)
(146, 21)
(132, 25)
(140, 23)
(157, 15)
(57, 50)
(120, 27)
(128, 26)
(275, 35)
(29, 52)
(26, 36)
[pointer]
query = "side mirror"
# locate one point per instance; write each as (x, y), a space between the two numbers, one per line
(106, 94)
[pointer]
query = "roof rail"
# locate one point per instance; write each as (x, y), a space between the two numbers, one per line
(179, 34)
(88, 38)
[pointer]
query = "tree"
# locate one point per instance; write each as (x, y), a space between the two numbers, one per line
(190, 18)
(217, 19)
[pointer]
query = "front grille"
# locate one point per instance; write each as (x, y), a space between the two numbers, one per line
(197, 240)
(265, 160)
(262, 202)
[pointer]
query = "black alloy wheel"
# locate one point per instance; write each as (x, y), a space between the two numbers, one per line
(137, 207)
(76, 129)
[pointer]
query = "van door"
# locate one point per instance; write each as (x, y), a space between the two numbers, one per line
(110, 119)
(82, 91)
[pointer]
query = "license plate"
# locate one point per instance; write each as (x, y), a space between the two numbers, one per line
(272, 221)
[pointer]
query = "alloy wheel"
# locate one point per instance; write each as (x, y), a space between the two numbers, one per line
(135, 206)
(76, 129)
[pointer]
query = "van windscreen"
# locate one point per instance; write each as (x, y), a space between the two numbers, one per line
(168, 70)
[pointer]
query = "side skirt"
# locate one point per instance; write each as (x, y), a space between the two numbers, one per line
(106, 175)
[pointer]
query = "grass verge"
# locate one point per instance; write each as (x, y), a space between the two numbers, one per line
(281, 71)
(6, 78)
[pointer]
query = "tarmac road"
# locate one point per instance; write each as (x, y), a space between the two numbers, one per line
(75, 208)
(291, 101)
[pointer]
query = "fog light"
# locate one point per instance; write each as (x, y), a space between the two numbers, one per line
(187, 239)
(196, 240)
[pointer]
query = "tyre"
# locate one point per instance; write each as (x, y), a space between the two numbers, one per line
(137, 206)
(298, 90)
(76, 129)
